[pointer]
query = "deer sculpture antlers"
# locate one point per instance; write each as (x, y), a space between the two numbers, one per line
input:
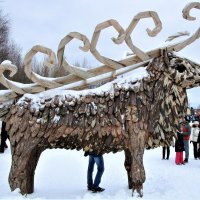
(80, 77)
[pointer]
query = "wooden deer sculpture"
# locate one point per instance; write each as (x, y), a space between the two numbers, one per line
(129, 115)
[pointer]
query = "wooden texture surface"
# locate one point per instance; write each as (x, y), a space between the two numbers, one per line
(132, 117)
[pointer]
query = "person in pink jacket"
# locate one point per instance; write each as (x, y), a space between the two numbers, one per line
(185, 131)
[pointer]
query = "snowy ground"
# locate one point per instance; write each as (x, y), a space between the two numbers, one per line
(61, 174)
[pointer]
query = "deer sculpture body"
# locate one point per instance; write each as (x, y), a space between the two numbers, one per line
(129, 116)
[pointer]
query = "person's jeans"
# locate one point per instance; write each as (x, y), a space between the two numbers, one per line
(100, 169)
(186, 146)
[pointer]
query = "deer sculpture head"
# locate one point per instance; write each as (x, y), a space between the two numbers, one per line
(171, 76)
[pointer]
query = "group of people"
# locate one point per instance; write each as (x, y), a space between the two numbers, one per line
(185, 135)
(193, 114)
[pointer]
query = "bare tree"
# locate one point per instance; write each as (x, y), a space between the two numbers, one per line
(14, 51)
(54, 72)
(4, 32)
(83, 64)
(9, 50)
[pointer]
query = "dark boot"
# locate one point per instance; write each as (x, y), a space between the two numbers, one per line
(186, 160)
(90, 188)
(98, 189)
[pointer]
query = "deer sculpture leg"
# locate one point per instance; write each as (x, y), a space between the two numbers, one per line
(24, 162)
(134, 162)
(127, 164)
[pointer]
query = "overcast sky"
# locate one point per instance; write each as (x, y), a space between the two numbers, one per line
(46, 22)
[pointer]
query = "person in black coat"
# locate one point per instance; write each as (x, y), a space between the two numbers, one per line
(179, 148)
(164, 150)
(4, 137)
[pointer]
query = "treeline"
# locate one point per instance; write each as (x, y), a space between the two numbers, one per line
(9, 50)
